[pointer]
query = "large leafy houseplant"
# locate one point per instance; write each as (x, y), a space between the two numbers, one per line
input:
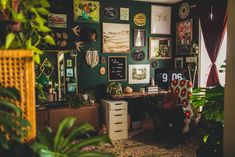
(23, 25)
(65, 142)
(212, 100)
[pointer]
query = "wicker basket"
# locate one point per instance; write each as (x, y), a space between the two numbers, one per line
(17, 70)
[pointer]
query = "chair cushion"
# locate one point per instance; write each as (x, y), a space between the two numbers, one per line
(170, 101)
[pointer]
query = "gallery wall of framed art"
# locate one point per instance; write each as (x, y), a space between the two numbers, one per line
(148, 33)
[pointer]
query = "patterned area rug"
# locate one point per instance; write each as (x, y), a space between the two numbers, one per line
(144, 145)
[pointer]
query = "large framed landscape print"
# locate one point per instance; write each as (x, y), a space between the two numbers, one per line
(116, 38)
(184, 37)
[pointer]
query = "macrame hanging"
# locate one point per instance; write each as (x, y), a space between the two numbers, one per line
(92, 58)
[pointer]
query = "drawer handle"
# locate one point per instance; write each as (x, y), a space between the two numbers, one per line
(118, 104)
(118, 123)
(118, 109)
(118, 131)
(118, 115)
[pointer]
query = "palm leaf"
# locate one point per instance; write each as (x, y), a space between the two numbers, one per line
(63, 127)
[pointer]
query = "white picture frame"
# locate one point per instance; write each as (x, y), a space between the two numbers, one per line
(179, 63)
(116, 38)
(124, 14)
(69, 72)
(160, 20)
(139, 73)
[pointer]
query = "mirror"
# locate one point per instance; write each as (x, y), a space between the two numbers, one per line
(56, 76)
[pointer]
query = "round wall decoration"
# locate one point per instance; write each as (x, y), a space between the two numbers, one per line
(184, 10)
(138, 55)
(109, 13)
(102, 70)
(92, 58)
(140, 19)
(154, 64)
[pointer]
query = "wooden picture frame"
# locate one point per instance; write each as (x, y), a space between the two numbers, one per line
(184, 37)
(160, 20)
(160, 48)
(179, 63)
(117, 68)
(139, 37)
(116, 38)
(139, 73)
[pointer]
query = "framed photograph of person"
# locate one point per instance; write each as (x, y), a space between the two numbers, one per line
(179, 63)
(139, 37)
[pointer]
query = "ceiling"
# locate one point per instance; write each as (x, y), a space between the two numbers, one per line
(161, 1)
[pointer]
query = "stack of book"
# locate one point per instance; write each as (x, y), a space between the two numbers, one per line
(152, 89)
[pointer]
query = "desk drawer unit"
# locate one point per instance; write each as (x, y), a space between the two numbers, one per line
(115, 116)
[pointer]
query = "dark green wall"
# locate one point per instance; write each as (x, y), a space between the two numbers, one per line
(89, 78)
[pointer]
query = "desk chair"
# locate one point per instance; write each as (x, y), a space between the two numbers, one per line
(175, 113)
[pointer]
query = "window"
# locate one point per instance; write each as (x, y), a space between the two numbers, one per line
(205, 63)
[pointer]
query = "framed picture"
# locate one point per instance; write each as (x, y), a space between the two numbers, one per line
(117, 68)
(184, 37)
(69, 72)
(139, 73)
(116, 38)
(57, 20)
(69, 63)
(124, 14)
(82, 14)
(179, 63)
(160, 19)
(72, 87)
(160, 48)
(139, 37)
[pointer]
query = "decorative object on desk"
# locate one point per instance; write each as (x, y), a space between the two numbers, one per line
(140, 19)
(128, 90)
(184, 36)
(154, 63)
(102, 70)
(117, 68)
(109, 13)
(139, 37)
(184, 10)
(124, 14)
(92, 58)
(160, 19)
(152, 89)
(138, 55)
(152, 81)
(179, 63)
(116, 38)
(114, 89)
(86, 11)
(142, 90)
(47, 68)
(139, 73)
(160, 48)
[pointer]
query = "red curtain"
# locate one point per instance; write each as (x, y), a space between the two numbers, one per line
(213, 19)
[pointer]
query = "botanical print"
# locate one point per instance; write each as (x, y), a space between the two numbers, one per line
(160, 19)
(86, 11)
(139, 73)
(184, 36)
(124, 14)
(116, 38)
(160, 48)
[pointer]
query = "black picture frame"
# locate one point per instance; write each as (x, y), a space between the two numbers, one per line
(117, 68)
(139, 37)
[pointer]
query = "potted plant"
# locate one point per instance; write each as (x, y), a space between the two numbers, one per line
(23, 25)
(212, 122)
